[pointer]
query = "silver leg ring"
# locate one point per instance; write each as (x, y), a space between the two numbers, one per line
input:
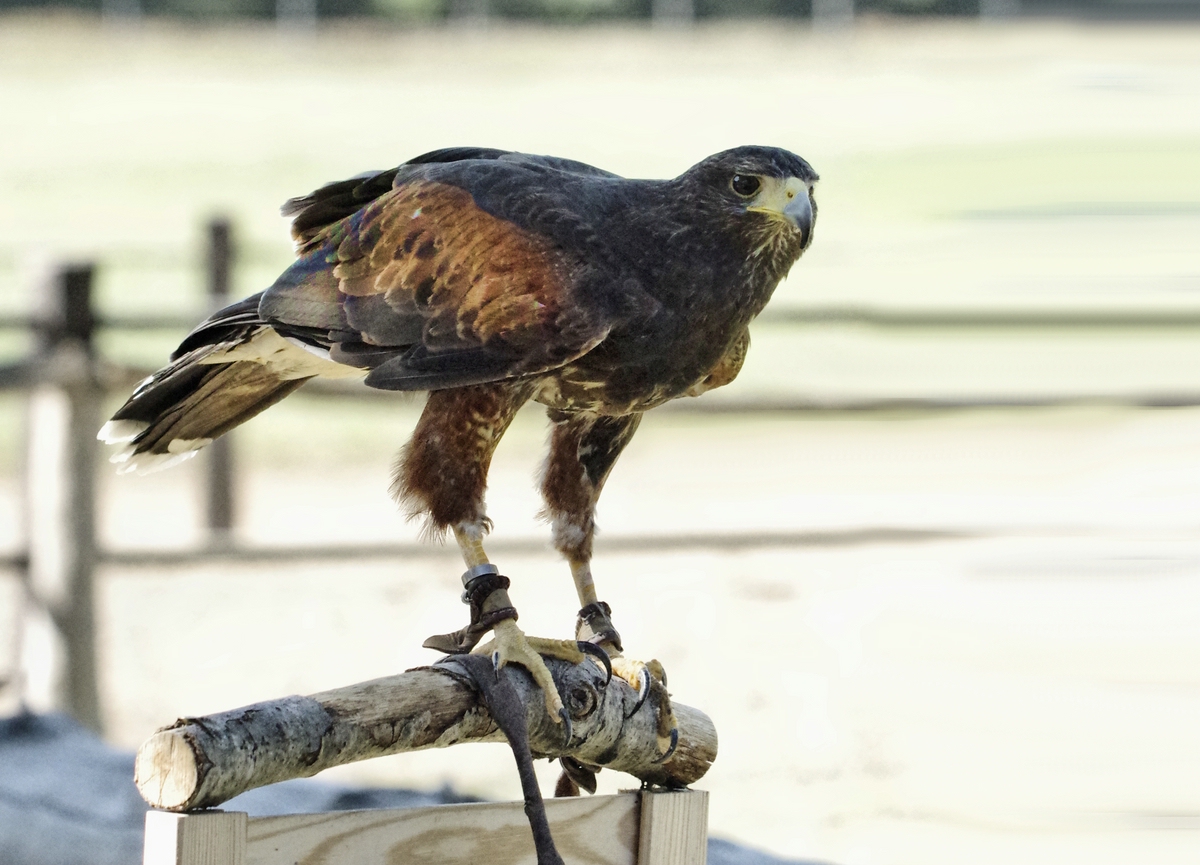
(479, 571)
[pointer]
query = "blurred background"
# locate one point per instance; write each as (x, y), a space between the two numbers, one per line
(932, 563)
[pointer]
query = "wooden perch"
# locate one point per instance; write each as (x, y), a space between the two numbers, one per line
(202, 762)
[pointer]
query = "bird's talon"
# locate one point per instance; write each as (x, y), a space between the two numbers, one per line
(642, 681)
(671, 747)
(575, 777)
(600, 655)
(643, 690)
(565, 720)
(566, 787)
(511, 646)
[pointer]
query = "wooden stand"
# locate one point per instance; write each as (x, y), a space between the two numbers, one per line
(646, 828)
(202, 762)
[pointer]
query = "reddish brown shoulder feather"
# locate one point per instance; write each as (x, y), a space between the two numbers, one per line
(474, 277)
(445, 292)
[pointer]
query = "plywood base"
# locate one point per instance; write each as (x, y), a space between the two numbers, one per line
(674, 828)
(206, 838)
(646, 828)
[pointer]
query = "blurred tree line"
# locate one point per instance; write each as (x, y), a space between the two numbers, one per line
(563, 11)
(586, 11)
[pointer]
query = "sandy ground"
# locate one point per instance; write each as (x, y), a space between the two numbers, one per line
(975, 637)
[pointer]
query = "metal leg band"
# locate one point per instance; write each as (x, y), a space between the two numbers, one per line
(488, 596)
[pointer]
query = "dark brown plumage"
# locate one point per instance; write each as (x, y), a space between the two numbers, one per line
(490, 279)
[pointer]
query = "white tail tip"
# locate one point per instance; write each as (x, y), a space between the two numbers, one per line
(117, 431)
(145, 463)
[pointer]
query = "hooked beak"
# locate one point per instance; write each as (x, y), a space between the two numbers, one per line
(789, 201)
(799, 211)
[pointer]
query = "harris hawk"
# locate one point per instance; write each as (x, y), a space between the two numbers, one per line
(491, 278)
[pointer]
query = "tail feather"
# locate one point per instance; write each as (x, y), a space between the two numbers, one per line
(227, 370)
(174, 415)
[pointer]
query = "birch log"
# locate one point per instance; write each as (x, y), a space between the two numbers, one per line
(202, 762)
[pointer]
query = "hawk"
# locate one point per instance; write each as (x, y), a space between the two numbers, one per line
(490, 278)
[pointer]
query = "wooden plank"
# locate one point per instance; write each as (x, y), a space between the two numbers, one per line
(205, 838)
(674, 828)
(598, 830)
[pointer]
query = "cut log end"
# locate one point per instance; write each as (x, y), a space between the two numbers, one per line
(165, 771)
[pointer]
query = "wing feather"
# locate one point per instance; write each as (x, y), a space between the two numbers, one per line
(438, 291)
(336, 201)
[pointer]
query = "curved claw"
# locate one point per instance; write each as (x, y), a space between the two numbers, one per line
(643, 691)
(673, 746)
(565, 717)
(580, 775)
(600, 655)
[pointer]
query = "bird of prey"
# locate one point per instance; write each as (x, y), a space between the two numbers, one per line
(490, 278)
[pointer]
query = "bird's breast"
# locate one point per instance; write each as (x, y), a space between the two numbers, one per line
(697, 295)
(636, 369)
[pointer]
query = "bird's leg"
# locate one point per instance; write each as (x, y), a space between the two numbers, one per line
(442, 475)
(583, 450)
(487, 593)
(594, 623)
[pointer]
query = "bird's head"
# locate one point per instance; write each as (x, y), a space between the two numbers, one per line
(769, 193)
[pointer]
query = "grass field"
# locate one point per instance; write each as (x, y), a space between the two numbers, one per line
(981, 644)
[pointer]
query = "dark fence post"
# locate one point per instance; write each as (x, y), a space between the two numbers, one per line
(65, 410)
(220, 505)
(673, 13)
(832, 14)
(470, 12)
(297, 16)
(121, 11)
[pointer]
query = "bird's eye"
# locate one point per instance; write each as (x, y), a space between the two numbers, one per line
(745, 185)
